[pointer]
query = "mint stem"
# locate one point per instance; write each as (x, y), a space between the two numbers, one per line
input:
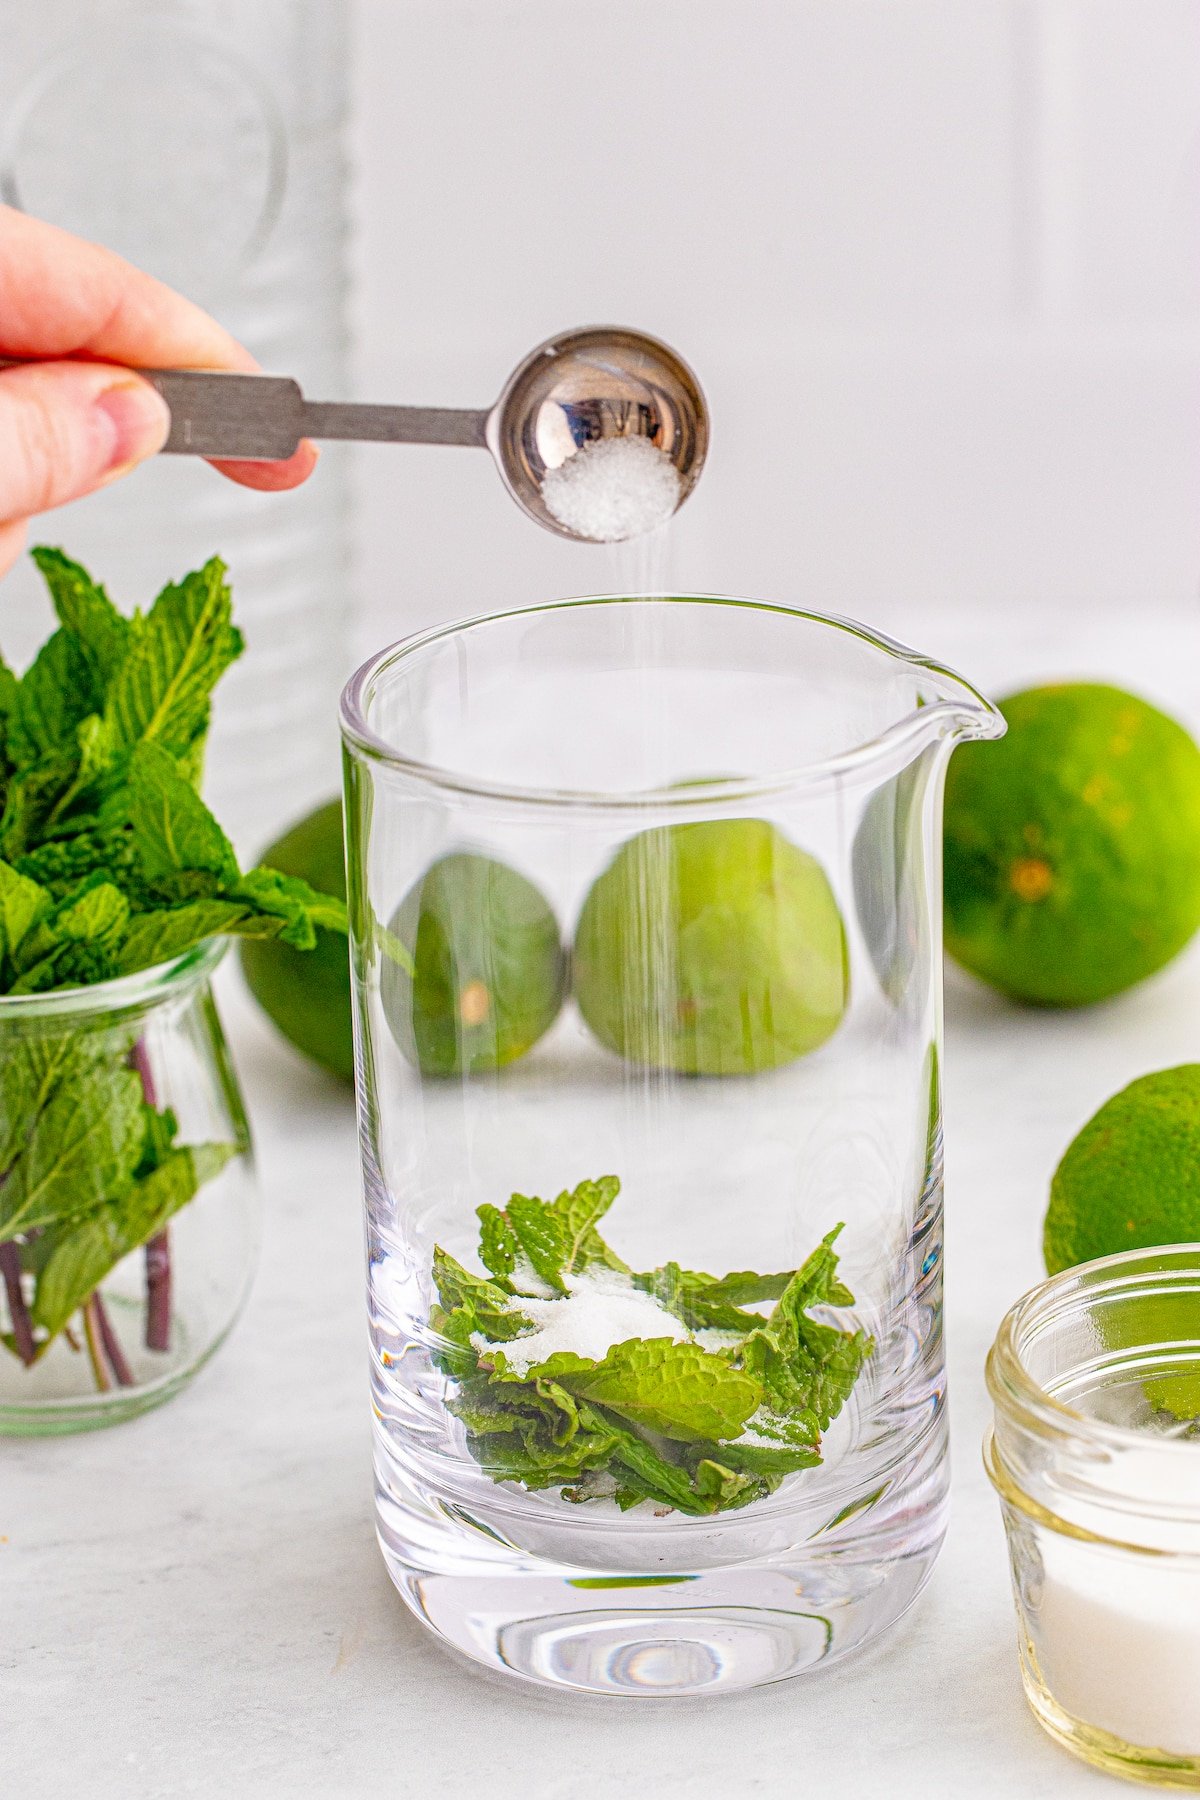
(91, 1331)
(158, 1292)
(18, 1311)
(158, 1250)
(110, 1343)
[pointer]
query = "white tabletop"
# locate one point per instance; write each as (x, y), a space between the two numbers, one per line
(193, 1604)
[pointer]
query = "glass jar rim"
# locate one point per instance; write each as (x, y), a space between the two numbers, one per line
(969, 714)
(125, 993)
(1017, 1393)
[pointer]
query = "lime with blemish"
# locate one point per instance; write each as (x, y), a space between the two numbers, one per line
(1072, 846)
(714, 948)
(476, 973)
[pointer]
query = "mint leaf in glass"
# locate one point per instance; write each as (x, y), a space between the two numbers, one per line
(709, 1405)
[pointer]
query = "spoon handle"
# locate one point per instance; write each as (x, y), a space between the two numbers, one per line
(375, 424)
(261, 418)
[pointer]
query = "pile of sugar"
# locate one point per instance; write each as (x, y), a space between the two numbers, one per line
(599, 1309)
(1117, 1633)
(612, 489)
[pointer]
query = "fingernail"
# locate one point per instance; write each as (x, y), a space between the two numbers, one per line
(136, 419)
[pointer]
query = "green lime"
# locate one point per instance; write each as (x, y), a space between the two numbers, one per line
(1131, 1181)
(1072, 866)
(307, 993)
(486, 970)
(1132, 1177)
(715, 949)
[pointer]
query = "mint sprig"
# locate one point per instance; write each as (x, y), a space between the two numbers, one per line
(110, 862)
(698, 1427)
(109, 859)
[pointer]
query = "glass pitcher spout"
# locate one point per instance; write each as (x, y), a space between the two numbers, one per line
(945, 707)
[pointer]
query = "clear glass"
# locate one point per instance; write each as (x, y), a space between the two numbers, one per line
(1095, 1453)
(135, 1061)
(793, 1086)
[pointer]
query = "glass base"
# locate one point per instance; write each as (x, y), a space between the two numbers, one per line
(771, 1613)
(50, 1414)
(1157, 1768)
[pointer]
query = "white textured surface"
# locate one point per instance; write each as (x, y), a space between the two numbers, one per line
(193, 1604)
(937, 266)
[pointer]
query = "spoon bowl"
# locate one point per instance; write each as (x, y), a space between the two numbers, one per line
(598, 382)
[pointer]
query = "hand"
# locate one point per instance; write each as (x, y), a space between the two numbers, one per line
(68, 427)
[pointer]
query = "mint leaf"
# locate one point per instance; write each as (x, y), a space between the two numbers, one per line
(63, 863)
(56, 693)
(678, 1390)
(82, 605)
(10, 689)
(173, 830)
(779, 1444)
(79, 1142)
(162, 935)
(541, 1241)
(642, 1469)
(489, 1306)
(31, 799)
(722, 1486)
(576, 1213)
(805, 1364)
(300, 908)
(22, 903)
(186, 642)
(689, 1296)
(81, 934)
(84, 1254)
(498, 1246)
(166, 932)
(513, 1444)
(815, 1283)
(744, 1288)
(91, 772)
(30, 1072)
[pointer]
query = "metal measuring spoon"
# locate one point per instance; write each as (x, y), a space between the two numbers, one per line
(599, 382)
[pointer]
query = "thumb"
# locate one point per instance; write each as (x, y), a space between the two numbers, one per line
(68, 427)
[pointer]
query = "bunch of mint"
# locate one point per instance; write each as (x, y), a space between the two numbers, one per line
(682, 1425)
(109, 863)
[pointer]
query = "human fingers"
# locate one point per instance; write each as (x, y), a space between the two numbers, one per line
(273, 477)
(12, 542)
(61, 296)
(67, 428)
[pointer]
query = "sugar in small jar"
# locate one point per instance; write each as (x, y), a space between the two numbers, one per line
(1095, 1453)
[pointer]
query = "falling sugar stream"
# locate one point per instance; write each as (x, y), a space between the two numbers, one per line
(645, 565)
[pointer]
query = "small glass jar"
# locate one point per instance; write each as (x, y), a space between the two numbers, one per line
(129, 1215)
(1095, 1453)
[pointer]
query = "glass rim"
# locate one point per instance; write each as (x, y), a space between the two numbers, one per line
(1018, 1395)
(972, 714)
(124, 992)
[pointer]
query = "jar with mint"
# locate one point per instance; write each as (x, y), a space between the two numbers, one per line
(128, 1208)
